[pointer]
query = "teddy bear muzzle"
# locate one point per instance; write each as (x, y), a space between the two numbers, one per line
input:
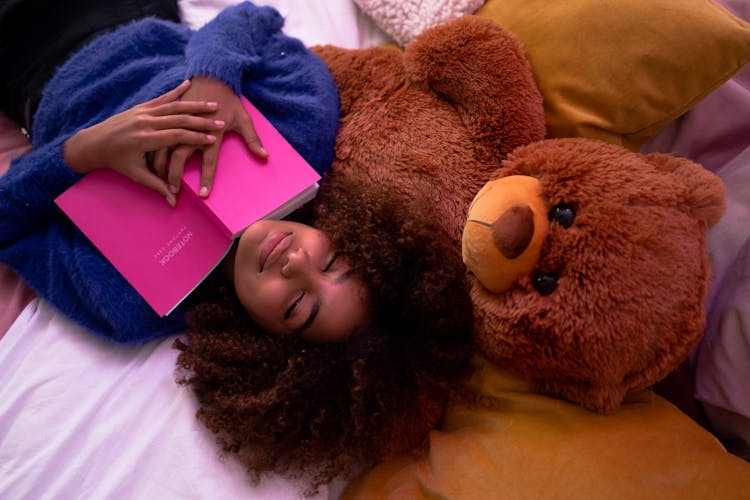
(505, 230)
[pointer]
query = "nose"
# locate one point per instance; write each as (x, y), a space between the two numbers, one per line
(297, 263)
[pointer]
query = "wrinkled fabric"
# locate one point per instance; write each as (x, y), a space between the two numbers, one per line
(520, 444)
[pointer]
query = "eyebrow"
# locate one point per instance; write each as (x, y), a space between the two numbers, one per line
(316, 306)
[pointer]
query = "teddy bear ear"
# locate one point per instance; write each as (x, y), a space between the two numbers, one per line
(481, 69)
(703, 195)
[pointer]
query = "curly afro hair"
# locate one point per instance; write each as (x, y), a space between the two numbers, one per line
(319, 411)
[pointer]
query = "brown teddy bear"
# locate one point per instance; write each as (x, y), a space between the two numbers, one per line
(594, 278)
(589, 266)
(588, 274)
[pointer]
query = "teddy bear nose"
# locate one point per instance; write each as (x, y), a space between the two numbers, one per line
(513, 230)
(505, 230)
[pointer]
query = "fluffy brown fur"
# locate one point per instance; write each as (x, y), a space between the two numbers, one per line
(437, 118)
(289, 406)
(633, 273)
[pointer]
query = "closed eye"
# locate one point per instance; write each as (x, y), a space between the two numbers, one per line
(330, 262)
(288, 313)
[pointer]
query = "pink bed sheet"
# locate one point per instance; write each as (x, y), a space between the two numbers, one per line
(14, 294)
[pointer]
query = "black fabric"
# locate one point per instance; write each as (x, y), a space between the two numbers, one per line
(37, 36)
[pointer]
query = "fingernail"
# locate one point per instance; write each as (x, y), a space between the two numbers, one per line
(263, 151)
(171, 200)
(211, 138)
(212, 104)
(185, 82)
(174, 189)
(219, 123)
(203, 192)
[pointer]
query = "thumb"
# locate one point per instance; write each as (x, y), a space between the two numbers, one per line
(154, 183)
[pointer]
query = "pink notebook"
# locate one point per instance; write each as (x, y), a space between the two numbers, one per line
(165, 252)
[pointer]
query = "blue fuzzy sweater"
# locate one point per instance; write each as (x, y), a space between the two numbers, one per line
(244, 47)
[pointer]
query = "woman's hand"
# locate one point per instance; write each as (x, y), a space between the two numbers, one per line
(229, 111)
(122, 141)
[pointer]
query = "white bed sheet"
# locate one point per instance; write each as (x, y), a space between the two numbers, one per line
(85, 418)
(315, 22)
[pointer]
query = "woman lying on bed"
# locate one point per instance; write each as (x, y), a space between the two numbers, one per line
(102, 106)
(286, 275)
(284, 403)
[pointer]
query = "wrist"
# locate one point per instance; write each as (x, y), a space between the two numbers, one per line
(75, 153)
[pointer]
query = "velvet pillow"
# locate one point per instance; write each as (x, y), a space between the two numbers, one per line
(619, 70)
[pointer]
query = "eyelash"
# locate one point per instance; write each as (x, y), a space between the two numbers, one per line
(330, 263)
(288, 313)
(293, 307)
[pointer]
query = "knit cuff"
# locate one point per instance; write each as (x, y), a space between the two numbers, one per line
(229, 46)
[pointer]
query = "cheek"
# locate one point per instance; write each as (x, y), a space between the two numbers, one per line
(262, 299)
(246, 258)
(349, 312)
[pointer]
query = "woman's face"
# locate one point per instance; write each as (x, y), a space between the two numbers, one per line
(291, 282)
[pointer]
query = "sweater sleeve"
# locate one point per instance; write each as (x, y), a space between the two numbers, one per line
(29, 188)
(57, 260)
(245, 47)
(227, 47)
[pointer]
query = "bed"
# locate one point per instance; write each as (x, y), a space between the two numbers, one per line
(83, 418)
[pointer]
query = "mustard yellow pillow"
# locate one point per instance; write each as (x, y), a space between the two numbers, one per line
(618, 70)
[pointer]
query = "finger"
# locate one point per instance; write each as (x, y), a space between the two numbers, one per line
(159, 162)
(208, 169)
(160, 139)
(177, 166)
(186, 121)
(171, 95)
(247, 129)
(151, 181)
(184, 107)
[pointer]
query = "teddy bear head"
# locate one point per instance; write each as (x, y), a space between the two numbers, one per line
(589, 266)
(436, 119)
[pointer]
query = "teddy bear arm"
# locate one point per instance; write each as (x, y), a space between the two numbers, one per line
(361, 74)
(482, 70)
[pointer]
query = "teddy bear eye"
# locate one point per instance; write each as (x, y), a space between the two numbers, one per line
(563, 214)
(544, 283)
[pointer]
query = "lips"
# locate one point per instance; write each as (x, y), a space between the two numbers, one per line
(273, 247)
